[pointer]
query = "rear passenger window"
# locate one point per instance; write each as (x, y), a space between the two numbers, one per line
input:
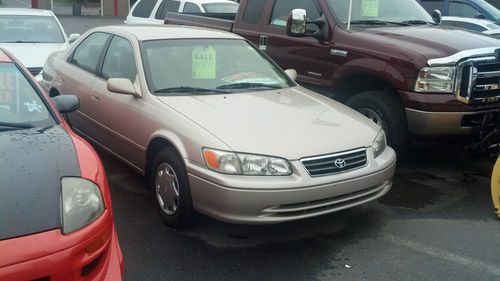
(191, 8)
(167, 6)
(144, 8)
(88, 53)
(253, 11)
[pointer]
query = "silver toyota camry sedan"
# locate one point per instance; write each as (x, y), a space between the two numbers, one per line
(217, 127)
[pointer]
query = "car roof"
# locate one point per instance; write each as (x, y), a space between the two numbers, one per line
(155, 32)
(24, 12)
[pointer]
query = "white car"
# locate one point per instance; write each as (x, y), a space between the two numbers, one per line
(479, 25)
(32, 35)
(153, 11)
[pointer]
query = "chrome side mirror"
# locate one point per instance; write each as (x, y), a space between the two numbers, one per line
(292, 74)
(122, 86)
(296, 23)
(436, 16)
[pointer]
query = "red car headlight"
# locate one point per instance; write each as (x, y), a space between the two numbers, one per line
(82, 203)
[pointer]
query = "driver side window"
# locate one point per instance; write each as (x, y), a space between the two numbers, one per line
(119, 61)
(459, 9)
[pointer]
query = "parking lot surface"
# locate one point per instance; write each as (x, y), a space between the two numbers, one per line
(436, 223)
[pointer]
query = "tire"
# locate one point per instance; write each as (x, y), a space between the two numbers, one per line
(383, 108)
(170, 189)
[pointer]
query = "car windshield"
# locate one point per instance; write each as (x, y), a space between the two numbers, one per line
(208, 66)
(380, 12)
(221, 7)
(20, 105)
(29, 29)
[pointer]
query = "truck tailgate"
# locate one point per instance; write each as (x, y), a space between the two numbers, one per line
(198, 20)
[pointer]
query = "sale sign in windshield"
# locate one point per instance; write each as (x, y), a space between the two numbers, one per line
(7, 88)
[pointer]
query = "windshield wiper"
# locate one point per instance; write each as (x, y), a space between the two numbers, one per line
(378, 22)
(247, 85)
(191, 90)
(417, 22)
(14, 126)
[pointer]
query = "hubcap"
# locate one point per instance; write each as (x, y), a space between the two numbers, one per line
(167, 189)
(372, 115)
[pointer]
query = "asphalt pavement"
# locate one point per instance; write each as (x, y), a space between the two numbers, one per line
(436, 223)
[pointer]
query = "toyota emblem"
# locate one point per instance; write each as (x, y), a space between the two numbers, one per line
(340, 163)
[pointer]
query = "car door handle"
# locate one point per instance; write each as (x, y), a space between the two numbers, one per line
(96, 98)
(263, 42)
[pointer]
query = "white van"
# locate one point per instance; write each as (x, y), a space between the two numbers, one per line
(153, 11)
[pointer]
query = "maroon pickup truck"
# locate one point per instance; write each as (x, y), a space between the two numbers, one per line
(388, 59)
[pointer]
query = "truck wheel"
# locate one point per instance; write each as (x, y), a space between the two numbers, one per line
(170, 188)
(387, 112)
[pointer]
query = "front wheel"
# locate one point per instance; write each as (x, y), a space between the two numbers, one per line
(387, 112)
(170, 189)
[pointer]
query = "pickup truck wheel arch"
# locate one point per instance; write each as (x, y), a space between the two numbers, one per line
(389, 111)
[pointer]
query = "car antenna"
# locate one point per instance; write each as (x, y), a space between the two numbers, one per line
(349, 16)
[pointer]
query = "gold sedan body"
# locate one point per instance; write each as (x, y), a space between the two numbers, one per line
(495, 187)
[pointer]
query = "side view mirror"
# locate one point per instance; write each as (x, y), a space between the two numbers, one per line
(72, 37)
(480, 16)
(66, 103)
(122, 86)
(292, 73)
(436, 16)
(296, 23)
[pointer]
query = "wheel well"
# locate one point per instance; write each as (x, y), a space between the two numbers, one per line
(53, 92)
(153, 148)
(361, 83)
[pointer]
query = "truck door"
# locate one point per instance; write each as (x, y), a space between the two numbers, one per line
(248, 23)
(307, 55)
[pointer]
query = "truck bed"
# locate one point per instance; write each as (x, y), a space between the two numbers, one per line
(221, 21)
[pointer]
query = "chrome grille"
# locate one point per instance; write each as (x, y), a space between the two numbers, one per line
(35, 70)
(335, 163)
(479, 80)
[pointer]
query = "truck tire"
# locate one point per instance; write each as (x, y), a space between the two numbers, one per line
(387, 112)
(170, 188)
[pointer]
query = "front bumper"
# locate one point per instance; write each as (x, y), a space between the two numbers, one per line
(246, 199)
(77, 262)
(436, 115)
(425, 123)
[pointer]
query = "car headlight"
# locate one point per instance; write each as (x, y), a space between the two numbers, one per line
(227, 162)
(379, 144)
(81, 203)
(436, 79)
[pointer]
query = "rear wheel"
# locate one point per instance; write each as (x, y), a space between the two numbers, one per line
(170, 189)
(386, 111)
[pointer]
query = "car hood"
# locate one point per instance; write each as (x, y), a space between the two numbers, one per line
(33, 54)
(431, 41)
(290, 123)
(32, 163)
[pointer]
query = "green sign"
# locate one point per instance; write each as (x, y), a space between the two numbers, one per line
(204, 63)
(369, 8)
